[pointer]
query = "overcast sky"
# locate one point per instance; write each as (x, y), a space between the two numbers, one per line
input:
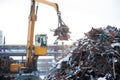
(79, 15)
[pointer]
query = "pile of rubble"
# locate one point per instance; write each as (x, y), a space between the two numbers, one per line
(5, 62)
(62, 31)
(95, 57)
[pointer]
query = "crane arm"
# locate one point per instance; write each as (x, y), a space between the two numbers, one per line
(55, 5)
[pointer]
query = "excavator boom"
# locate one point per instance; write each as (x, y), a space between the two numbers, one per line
(55, 5)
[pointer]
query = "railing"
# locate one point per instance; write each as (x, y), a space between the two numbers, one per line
(20, 50)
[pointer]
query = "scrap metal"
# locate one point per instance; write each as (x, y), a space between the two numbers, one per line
(94, 57)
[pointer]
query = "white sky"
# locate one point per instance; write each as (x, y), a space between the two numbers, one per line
(79, 15)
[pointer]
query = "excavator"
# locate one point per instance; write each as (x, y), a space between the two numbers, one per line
(41, 47)
(34, 51)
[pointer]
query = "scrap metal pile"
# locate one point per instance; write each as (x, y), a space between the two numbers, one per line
(95, 57)
(5, 62)
(62, 32)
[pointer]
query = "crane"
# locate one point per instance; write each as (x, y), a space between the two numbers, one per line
(63, 30)
(32, 58)
(34, 51)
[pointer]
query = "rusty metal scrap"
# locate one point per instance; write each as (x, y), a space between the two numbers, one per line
(5, 62)
(96, 55)
(62, 31)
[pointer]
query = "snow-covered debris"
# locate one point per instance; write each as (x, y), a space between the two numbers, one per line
(101, 78)
(66, 58)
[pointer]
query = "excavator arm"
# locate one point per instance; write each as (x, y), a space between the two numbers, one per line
(55, 5)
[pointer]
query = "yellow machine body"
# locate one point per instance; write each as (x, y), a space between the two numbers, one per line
(15, 67)
(40, 50)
